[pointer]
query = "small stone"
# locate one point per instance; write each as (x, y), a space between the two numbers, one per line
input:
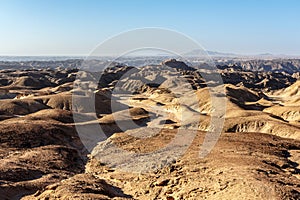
(162, 182)
(170, 198)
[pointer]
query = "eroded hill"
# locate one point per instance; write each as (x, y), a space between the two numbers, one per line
(48, 150)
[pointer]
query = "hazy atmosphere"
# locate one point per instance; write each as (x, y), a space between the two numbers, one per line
(68, 27)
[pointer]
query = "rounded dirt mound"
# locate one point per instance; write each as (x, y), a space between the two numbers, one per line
(20, 106)
(29, 82)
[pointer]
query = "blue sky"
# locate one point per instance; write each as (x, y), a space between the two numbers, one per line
(75, 27)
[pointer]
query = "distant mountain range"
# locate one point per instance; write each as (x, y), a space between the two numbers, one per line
(194, 53)
(200, 52)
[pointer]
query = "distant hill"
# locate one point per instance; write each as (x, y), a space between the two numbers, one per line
(199, 52)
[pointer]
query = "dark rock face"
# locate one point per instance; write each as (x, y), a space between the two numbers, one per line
(173, 63)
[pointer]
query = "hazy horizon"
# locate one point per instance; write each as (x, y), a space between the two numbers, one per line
(210, 52)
